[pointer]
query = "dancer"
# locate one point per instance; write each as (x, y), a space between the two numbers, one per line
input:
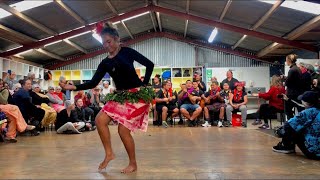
(119, 64)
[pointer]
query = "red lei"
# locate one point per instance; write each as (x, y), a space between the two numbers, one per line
(237, 95)
(214, 92)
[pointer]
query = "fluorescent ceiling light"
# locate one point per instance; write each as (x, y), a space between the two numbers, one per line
(55, 42)
(25, 51)
(79, 34)
(213, 35)
(138, 15)
(304, 6)
(29, 4)
(72, 30)
(4, 13)
(14, 48)
(97, 37)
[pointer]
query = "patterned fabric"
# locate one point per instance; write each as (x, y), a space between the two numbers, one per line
(307, 122)
(132, 115)
(216, 106)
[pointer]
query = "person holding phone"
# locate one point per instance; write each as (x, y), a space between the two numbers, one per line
(11, 79)
(276, 104)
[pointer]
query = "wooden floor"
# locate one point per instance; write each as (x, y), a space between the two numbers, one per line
(173, 153)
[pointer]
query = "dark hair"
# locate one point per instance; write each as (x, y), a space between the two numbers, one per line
(230, 71)
(20, 81)
(215, 82)
(110, 29)
(164, 84)
(23, 82)
(195, 81)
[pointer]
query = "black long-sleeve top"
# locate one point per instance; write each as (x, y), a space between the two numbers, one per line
(80, 112)
(121, 70)
(294, 81)
(63, 118)
(37, 100)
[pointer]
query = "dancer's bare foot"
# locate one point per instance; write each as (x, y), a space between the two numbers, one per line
(132, 167)
(106, 161)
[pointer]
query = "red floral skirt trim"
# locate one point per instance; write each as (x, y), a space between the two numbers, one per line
(131, 115)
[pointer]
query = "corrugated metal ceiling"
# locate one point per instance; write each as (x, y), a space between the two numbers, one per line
(241, 13)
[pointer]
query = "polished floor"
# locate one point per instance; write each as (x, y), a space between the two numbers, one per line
(173, 153)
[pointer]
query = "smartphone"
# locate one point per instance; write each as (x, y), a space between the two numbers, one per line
(9, 71)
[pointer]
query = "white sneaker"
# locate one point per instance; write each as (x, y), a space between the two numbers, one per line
(206, 124)
(220, 124)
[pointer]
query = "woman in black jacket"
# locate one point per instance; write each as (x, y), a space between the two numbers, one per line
(294, 85)
(67, 120)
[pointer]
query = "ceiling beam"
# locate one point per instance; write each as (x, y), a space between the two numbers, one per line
(168, 12)
(71, 12)
(76, 46)
(155, 2)
(225, 9)
(17, 34)
(159, 21)
(233, 28)
(153, 22)
(311, 24)
(158, 35)
(186, 21)
(27, 19)
(74, 32)
(260, 21)
(50, 54)
(113, 9)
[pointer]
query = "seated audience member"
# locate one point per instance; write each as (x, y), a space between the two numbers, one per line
(81, 116)
(275, 105)
(15, 119)
(312, 72)
(95, 103)
(55, 100)
(89, 113)
(15, 88)
(230, 80)
(163, 105)
(188, 98)
(156, 87)
(201, 84)
(43, 101)
(31, 76)
(179, 102)
(10, 79)
(29, 111)
(303, 129)
(106, 89)
(61, 95)
(238, 100)
(225, 93)
(67, 120)
(214, 102)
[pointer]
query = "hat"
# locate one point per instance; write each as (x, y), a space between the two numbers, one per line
(309, 97)
(50, 87)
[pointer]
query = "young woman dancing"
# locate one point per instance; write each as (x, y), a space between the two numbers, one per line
(129, 104)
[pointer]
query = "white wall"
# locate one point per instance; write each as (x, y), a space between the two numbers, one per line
(259, 76)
